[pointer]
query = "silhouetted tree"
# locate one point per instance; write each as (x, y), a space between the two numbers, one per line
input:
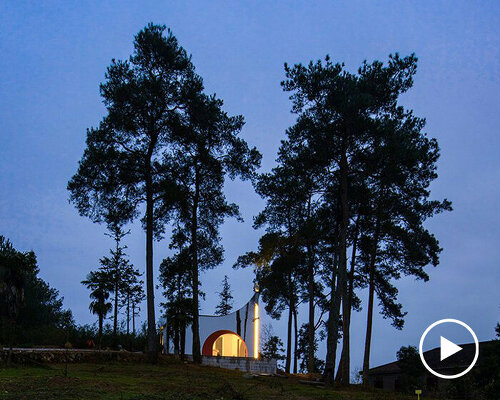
(345, 124)
(30, 310)
(292, 198)
(42, 318)
(126, 155)
(278, 265)
(411, 369)
(118, 270)
(305, 364)
(399, 170)
(15, 267)
(273, 349)
(226, 299)
(207, 150)
(176, 281)
(137, 296)
(99, 285)
(132, 294)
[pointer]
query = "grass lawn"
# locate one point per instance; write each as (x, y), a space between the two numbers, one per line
(170, 379)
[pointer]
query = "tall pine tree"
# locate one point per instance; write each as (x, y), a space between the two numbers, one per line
(206, 150)
(225, 299)
(127, 154)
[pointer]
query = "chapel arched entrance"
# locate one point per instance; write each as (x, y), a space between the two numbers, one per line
(225, 343)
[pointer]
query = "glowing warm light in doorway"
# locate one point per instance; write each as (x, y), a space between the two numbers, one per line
(256, 332)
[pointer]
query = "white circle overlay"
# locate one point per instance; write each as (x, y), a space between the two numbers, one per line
(443, 321)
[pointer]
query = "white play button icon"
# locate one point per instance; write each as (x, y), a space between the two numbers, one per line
(448, 348)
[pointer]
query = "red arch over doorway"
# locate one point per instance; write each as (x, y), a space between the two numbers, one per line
(209, 342)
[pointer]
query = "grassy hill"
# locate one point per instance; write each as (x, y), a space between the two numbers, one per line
(169, 380)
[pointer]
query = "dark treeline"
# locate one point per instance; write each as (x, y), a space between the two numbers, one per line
(32, 312)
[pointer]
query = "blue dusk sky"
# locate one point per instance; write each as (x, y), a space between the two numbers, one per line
(53, 55)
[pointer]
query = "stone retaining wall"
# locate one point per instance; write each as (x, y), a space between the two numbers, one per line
(29, 356)
(242, 363)
(60, 356)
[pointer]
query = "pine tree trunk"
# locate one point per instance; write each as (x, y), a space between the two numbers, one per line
(101, 318)
(128, 314)
(152, 348)
(371, 294)
(347, 323)
(176, 335)
(310, 292)
(128, 321)
(345, 367)
(311, 333)
(332, 326)
(368, 338)
(183, 340)
(195, 273)
(343, 373)
(176, 321)
(289, 341)
(340, 370)
(334, 315)
(295, 341)
(115, 312)
(117, 280)
(133, 319)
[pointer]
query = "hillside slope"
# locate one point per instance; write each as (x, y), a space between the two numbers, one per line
(169, 380)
